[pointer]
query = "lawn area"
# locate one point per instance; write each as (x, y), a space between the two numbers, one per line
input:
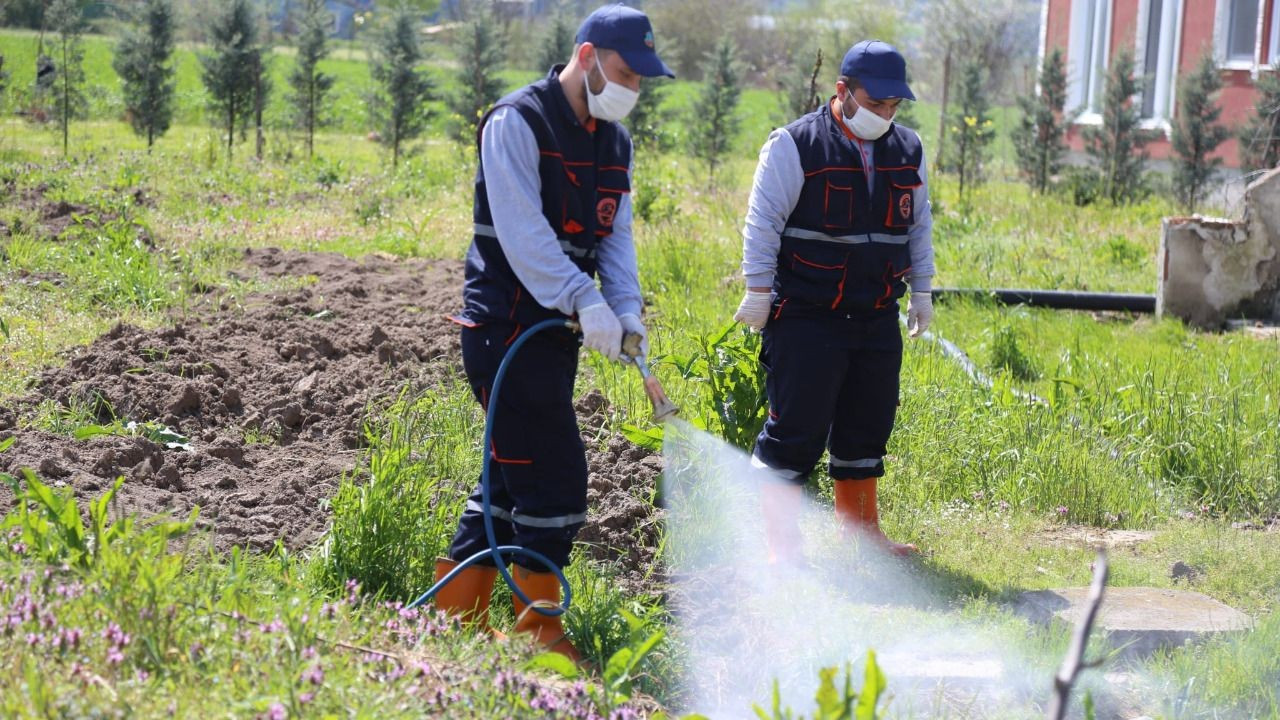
(1147, 425)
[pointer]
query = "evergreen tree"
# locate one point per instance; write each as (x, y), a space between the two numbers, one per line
(403, 88)
(972, 128)
(231, 73)
(261, 75)
(800, 92)
(480, 55)
(1260, 137)
(715, 121)
(1040, 138)
(557, 44)
(308, 83)
(142, 62)
(1196, 132)
(645, 120)
(1117, 145)
(67, 19)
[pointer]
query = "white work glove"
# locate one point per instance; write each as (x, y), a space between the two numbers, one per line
(754, 309)
(919, 313)
(601, 330)
(631, 323)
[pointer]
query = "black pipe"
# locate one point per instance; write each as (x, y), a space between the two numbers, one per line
(1059, 299)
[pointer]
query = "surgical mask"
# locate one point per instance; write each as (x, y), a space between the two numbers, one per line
(865, 124)
(613, 102)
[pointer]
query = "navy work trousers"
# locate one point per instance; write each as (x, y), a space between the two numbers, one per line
(832, 382)
(537, 462)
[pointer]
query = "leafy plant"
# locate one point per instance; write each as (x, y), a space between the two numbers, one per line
(836, 703)
(1007, 354)
(620, 672)
(729, 364)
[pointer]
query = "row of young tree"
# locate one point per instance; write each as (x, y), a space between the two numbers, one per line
(235, 71)
(1116, 145)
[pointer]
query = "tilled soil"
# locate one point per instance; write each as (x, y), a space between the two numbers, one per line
(272, 393)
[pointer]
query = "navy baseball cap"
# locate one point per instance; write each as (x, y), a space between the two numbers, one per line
(626, 31)
(880, 68)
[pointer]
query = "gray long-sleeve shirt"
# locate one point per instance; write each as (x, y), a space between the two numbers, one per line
(776, 190)
(509, 152)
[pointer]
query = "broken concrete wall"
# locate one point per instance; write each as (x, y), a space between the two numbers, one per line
(1214, 269)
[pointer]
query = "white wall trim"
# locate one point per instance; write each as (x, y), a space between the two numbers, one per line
(1044, 41)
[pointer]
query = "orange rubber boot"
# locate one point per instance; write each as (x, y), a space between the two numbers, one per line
(543, 588)
(780, 503)
(856, 508)
(467, 595)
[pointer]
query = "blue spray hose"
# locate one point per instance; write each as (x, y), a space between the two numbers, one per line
(496, 551)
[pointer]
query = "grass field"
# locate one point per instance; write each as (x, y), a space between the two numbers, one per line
(1149, 425)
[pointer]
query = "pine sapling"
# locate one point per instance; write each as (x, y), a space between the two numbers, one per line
(309, 84)
(1260, 137)
(1196, 132)
(142, 60)
(403, 88)
(1040, 138)
(1117, 144)
(480, 55)
(715, 120)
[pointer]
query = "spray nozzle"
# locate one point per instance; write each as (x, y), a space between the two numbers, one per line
(663, 408)
(632, 352)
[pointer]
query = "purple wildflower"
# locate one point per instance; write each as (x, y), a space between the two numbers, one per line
(313, 675)
(277, 712)
(1062, 510)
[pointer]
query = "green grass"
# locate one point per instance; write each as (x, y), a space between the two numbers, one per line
(1150, 424)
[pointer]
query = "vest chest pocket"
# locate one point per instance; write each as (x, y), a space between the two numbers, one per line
(837, 198)
(902, 187)
(614, 184)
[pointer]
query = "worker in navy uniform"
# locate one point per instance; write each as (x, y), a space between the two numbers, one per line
(552, 217)
(838, 227)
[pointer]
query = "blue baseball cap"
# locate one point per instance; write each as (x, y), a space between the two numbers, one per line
(626, 31)
(879, 67)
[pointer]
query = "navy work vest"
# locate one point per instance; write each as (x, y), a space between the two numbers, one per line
(583, 176)
(844, 247)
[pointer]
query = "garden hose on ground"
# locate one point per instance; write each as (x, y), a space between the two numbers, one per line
(663, 409)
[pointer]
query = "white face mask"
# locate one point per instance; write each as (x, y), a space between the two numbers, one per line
(865, 124)
(614, 101)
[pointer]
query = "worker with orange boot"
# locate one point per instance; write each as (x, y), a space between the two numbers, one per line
(838, 226)
(552, 214)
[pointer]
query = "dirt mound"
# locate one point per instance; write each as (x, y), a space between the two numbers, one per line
(271, 394)
(624, 524)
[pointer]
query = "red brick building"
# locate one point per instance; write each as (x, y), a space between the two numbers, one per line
(1167, 37)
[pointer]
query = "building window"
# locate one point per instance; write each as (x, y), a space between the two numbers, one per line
(1158, 57)
(1087, 54)
(1273, 57)
(1242, 30)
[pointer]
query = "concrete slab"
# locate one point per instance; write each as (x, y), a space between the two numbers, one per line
(1141, 620)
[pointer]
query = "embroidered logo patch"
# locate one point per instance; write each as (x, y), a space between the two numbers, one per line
(648, 39)
(605, 210)
(904, 206)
